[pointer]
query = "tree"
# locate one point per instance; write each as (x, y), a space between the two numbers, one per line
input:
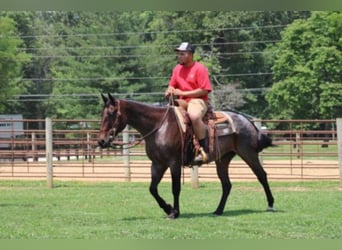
(78, 54)
(227, 97)
(11, 60)
(307, 69)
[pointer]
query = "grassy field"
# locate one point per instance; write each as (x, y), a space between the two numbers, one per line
(76, 210)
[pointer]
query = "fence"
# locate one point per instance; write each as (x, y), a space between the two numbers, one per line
(305, 150)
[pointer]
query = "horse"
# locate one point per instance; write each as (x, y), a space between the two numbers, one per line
(163, 144)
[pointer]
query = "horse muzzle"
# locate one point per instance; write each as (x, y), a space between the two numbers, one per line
(105, 142)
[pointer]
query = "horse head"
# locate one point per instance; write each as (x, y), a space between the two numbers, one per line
(112, 121)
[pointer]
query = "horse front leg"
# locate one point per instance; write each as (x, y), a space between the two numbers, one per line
(176, 189)
(157, 174)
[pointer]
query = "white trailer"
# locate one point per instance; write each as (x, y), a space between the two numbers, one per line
(11, 126)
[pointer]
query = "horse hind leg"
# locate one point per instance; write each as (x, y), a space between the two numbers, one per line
(253, 162)
(222, 173)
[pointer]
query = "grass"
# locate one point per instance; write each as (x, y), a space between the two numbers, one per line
(307, 152)
(77, 210)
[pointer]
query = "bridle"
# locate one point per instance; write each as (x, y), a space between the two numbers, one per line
(137, 141)
(116, 122)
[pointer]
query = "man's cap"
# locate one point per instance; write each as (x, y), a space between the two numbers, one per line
(185, 46)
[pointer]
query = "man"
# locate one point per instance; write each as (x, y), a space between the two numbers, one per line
(190, 82)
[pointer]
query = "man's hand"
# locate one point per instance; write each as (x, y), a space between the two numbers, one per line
(170, 90)
(178, 92)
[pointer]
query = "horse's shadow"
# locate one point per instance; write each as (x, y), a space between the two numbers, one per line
(229, 213)
(16, 205)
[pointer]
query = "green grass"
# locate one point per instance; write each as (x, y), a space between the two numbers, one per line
(76, 210)
(307, 152)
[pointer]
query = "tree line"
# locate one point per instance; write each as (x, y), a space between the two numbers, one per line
(268, 64)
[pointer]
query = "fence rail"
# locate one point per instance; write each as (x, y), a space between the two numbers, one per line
(305, 150)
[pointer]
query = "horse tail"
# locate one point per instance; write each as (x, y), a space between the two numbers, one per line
(264, 141)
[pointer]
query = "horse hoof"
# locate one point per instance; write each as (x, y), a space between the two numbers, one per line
(270, 209)
(172, 216)
(217, 213)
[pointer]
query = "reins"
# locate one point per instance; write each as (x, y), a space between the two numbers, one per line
(138, 141)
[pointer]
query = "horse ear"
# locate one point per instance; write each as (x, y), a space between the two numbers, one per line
(111, 98)
(105, 99)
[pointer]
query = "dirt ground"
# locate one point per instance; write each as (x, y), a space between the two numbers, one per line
(140, 171)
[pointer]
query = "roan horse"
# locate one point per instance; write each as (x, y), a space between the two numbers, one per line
(162, 136)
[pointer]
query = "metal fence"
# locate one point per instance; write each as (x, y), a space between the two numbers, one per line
(304, 150)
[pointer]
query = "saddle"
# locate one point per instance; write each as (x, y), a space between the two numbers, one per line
(219, 124)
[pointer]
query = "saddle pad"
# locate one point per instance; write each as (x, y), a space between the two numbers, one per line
(180, 118)
(224, 129)
(224, 123)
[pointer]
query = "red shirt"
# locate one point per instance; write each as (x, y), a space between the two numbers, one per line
(190, 78)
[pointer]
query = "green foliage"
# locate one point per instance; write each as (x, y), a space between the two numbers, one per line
(240, 38)
(331, 99)
(78, 55)
(307, 69)
(11, 60)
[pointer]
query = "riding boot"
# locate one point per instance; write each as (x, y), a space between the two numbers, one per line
(204, 151)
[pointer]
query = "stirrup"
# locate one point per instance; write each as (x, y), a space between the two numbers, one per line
(202, 157)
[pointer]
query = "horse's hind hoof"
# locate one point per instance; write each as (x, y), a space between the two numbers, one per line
(270, 209)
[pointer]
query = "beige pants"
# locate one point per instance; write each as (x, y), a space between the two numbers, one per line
(197, 106)
(197, 109)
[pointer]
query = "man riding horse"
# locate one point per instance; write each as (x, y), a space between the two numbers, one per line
(190, 82)
(163, 137)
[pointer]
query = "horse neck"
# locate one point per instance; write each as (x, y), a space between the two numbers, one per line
(144, 118)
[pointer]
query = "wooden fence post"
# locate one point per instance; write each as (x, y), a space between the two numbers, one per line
(194, 177)
(339, 144)
(33, 146)
(90, 157)
(298, 145)
(49, 152)
(125, 138)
